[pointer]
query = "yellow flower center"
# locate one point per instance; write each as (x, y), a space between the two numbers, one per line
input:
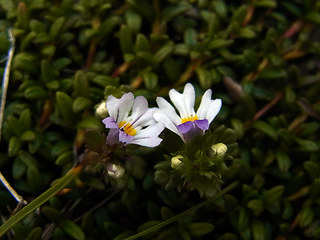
(189, 119)
(127, 128)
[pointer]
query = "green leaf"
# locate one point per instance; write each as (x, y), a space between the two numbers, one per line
(18, 168)
(35, 92)
(90, 123)
(273, 73)
(27, 40)
(308, 145)
(239, 14)
(247, 33)
(56, 27)
(14, 125)
(60, 147)
(46, 71)
(133, 20)
(228, 236)
(150, 79)
(72, 229)
(273, 195)
(126, 42)
(219, 43)
(190, 37)
(37, 26)
(25, 119)
(35, 181)
(35, 234)
(313, 17)
(243, 219)
(220, 8)
(163, 52)
(81, 85)
(256, 205)
(14, 146)
(265, 128)
(65, 158)
(28, 136)
(200, 229)
(306, 216)
(52, 214)
(80, 104)
(28, 159)
(312, 168)
(204, 77)
(147, 225)
(258, 230)
(265, 3)
(174, 10)
(283, 161)
(65, 103)
(142, 43)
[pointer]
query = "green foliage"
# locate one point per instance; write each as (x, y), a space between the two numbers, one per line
(260, 57)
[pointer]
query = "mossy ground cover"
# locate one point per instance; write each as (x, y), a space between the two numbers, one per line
(261, 57)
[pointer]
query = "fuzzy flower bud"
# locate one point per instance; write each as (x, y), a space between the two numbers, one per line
(102, 109)
(115, 171)
(176, 162)
(219, 149)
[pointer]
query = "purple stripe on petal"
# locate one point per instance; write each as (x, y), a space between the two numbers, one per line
(109, 122)
(202, 124)
(125, 138)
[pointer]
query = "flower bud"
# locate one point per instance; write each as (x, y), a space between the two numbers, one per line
(219, 149)
(102, 109)
(175, 161)
(115, 171)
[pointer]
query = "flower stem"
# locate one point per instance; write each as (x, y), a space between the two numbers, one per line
(188, 211)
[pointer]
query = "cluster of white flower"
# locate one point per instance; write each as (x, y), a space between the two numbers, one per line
(132, 122)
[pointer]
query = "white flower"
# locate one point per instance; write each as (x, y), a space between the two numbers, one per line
(189, 123)
(131, 122)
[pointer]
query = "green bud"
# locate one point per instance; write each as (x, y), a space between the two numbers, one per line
(115, 171)
(175, 161)
(219, 149)
(102, 110)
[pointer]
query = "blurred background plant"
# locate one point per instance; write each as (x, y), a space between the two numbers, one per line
(261, 57)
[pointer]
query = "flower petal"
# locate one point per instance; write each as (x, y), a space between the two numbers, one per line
(151, 131)
(161, 117)
(145, 119)
(189, 97)
(185, 127)
(148, 142)
(168, 110)
(148, 137)
(202, 124)
(208, 108)
(113, 136)
(189, 130)
(109, 122)
(184, 102)
(205, 101)
(140, 106)
(125, 138)
(120, 108)
(213, 109)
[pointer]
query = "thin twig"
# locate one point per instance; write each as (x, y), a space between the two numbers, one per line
(5, 83)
